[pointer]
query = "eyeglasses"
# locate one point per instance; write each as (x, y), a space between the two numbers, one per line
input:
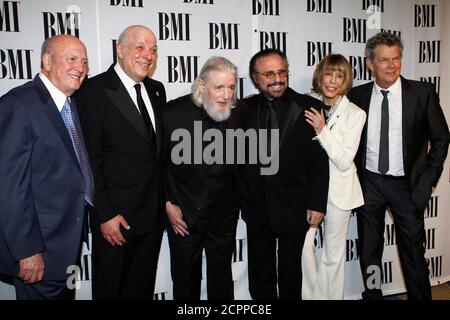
(272, 74)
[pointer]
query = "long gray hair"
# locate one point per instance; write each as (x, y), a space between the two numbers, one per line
(214, 63)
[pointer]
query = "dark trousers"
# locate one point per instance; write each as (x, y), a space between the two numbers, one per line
(214, 231)
(381, 193)
(262, 263)
(125, 272)
(43, 290)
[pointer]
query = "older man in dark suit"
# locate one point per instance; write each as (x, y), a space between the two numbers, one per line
(45, 178)
(120, 114)
(400, 158)
(279, 207)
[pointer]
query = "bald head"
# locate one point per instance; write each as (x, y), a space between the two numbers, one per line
(136, 51)
(64, 62)
(133, 30)
(49, 45)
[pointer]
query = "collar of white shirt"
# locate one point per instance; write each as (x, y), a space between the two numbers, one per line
(58, 97)
(394, 89)
(126, 80)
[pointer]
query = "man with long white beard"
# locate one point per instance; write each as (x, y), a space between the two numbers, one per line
(201, 198)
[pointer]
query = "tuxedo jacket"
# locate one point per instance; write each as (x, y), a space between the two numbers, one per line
(187, 183)
(340, 138)
(42, 198)
(423, 124)
(301, 182)
(126, 163)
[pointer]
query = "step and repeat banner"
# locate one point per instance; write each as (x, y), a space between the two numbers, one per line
(190, 31)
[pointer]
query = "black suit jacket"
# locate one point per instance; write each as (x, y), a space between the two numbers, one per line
(423, 122)
(125, 163)
(187, 184)
(301, 182)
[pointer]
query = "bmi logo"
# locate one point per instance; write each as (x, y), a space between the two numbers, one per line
(114, 53)
(15, 64)
(266, 7)
(316, 51)
(224, 36)
(354, 30)
(238, 254)
(430, 51)
(273, 40)
(430, 236)
(389, 235)
(431, 210)
(318, 240)
(182, 69)
(240, 88)
(321, 6)
(379, 4)
(174, 26)
(160, 296)
(360, 69)
(9, 16)
(425, 15)
(200, 1)
(435, 266)
(56, 23)
(435, 81)
(352, 250)
(397, 33)
(387, 272)
(128, 3)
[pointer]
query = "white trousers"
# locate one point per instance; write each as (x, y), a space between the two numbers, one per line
(325, 280)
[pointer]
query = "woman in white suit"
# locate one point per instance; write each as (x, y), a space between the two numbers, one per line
(338, 130)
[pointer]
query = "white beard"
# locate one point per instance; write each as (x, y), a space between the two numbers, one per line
(217, 114)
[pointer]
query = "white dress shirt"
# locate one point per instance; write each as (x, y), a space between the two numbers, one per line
(395, 129)
(129, 85)
(58, 97)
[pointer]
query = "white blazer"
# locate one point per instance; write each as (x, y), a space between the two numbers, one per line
(340, 139)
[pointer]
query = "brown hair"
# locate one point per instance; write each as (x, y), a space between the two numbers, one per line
(334, 62)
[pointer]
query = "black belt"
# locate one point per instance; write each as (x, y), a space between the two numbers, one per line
(386, 176)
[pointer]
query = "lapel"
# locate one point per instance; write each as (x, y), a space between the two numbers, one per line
(293, 112)
(56, 120)
(121, 99)
(260, 113)
(194, 113)
(338, 112)
(365, 105)
(407, 114)
(153, 95)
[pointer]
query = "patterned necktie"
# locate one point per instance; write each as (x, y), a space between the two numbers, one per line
(80, 151)
(383, 155)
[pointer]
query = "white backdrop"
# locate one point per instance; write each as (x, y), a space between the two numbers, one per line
(190, 31)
